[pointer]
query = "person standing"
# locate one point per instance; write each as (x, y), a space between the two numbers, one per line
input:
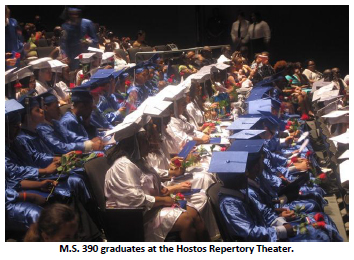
(239, 31)
(259, 34)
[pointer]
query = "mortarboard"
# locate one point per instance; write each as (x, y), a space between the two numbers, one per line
(171, 93)
(118, 73)
(41, 63)
(47, 98)
(12, 111)
(98, 52)
(243, 123)
(28, 101)
(317, 94)
(343, 138)
(102, 76)
(274, 119)
(318, 84)
(156, 108)
(337, 117)
(19, 74)
(81, 94)
(8, 74)
(107, 57)
(85, 58)
(250, 146)
(247, 134)
(258, 93)
(344, 155)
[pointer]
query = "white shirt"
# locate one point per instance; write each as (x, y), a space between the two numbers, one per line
(42, 87)
(261, 30)
(311, 75)
(244, 29)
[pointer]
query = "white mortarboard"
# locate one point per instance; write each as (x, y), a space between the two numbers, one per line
(328, 108)
(99, 52)
(343, 138)
(157, 108)
(57, 65)
(318, 84)
(337, 117)
(247, 134)
(107, 57)
(8, 75)
(41, 63)
(322, 91)
(259, 105)
(85, 57)
(345, 171)
(20, 74)
(243, 123)
(329, 95)
(171, 93)
(344, 155)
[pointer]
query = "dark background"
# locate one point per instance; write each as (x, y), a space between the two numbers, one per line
(298, 32)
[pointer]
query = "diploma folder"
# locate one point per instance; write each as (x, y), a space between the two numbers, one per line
(187, 149)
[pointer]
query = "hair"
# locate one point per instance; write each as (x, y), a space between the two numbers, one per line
(50, 222)
(241, 13)
(139, 33)
(297, 65)
(280, 66)
(124, 148)
(306, 63)
(109, 47)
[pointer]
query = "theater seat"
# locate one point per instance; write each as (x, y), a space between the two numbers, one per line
(121, 53)
(44, 51)
(42, 43)
(119, 225)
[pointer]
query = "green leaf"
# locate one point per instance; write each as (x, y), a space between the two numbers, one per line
(63, 160)
(60, 168)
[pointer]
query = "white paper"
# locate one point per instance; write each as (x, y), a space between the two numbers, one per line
(344, 171)
(318, 93)
(336, 113)
(343, 138)
(344, 155)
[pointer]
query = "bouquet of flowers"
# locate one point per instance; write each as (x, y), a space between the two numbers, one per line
(292, 125)
(178, 163)
(180, 200)
(74, 160)
(322, 177)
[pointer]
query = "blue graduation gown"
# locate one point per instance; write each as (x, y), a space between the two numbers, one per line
(109, 110)
(142, 93)
(73, 126)
(98, 120)
(58, 139)
(32, 150)
(242, 222)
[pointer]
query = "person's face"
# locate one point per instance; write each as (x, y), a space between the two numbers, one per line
(66, 233)
(65, 73)
(181, 106)
(32, 83)
(46, 74)
(95, 62)
(74, 17)
(37, 115)
(336, 73)
(52, 111)
(188, 98)
(85, 109)
(297, 70)
(140, 77)
(151, 73)
(311, 65)
(240, 18)
(141, 37)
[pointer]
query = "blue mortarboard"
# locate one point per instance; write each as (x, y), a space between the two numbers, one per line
(228, 162)
(250, 146)
(119, 73)
(270, 80)
(255, 106)
(258, 93)
(215, 140)
(81, 94)
(12, 110)
(270, 123)
(123, 76)
(32, 101)
(47, 96)
(243, 123)
(102, 76)
(247, 134)
(187, 149)
(274, 119)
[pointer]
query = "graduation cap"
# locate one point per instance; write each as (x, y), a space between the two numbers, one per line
(19, 74)
(274, 119)
(119, 73)
(28, 101)
(171, 93)
(81, 94)
(250, 146)
(8, 75)
(258, 93)
(337, 117)
(98, 52)
(85, 58)
(230, 168)
(12, 111)
(139, 68)
(270, 80)
(257, 106)
(107, 57)
(156, 108)
(102, 76)
(247, 134)
(243, 123)
(343, 138)
(41, 63)
(46, 98)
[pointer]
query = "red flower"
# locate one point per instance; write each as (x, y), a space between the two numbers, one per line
(128, 83)
(72, 85)
(318, 217)
(322, 176)
(78, 152)
(82, 76)
(287, 127)
(170, 80)
(294, 159)
(100, 155)
(17, 55)
(308, 153)
(304, 117)
(321, 224)
(290, 81)
(18, 85)
(80, 56)
(181, 73)
(223, 149)
(180, 195)
(289, 123)
(177, 163)
(204, 98)
(172, 76)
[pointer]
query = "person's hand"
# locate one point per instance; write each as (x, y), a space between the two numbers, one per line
(289, 230)
(205, 139)
(57, 159)
(165, 191)
(95, 139)
(47, 185)
(168, 201)
(36, 199)
(97, 145)
(288, 215)
(214, 105)
(289, 140)
(302, 166)
(52, 168)
(11, 62)
(184, 186)
(296, 151)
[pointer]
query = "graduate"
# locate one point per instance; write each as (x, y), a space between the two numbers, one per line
(193, 109)
(138, 92)
(52, 133)
(130, 182)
